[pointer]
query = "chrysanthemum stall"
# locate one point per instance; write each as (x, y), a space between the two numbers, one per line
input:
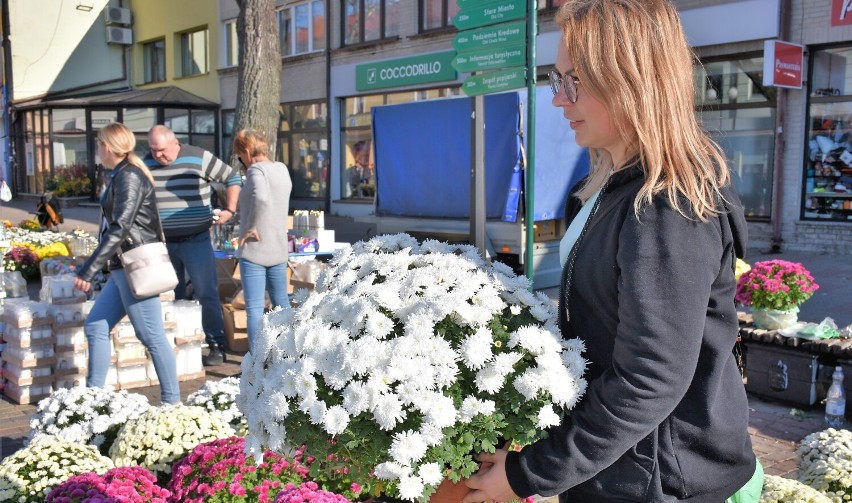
(406, 360)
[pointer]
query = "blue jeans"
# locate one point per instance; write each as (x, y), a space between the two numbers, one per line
(195, 257)
(146, 316)
(256, 280)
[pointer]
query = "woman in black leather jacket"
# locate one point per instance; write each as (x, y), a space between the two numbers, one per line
(130, 219)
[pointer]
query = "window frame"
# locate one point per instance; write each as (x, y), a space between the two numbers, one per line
(187, 51)
(231, 44)
(446, 19)
(383, 36)
(147, 63)
(293, 34)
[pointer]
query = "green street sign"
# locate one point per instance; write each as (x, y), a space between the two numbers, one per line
(493, 82)
(501, 35)
(422, 69)
(489, 59)
(490, 13)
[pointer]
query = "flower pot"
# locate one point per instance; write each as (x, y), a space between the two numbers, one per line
(450, 492)
(774, 319)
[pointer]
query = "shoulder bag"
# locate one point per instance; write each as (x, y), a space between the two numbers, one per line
(149, 269)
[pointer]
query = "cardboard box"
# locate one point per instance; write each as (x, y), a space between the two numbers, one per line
(227, 285)
(781, 373)
(548, 230)
(236, 333)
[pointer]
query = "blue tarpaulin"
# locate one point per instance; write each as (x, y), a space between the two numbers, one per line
(423, 159)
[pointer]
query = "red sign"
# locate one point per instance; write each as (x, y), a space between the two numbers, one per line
(782, 64)
(841, 12)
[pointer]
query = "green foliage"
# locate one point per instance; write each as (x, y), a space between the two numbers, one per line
(69, 181)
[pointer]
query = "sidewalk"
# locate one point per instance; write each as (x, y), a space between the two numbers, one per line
(775, 427)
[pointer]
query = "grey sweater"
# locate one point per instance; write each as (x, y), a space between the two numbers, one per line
(264, 205)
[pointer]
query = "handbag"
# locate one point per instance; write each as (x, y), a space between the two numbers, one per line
(5, 192)
(149, 269)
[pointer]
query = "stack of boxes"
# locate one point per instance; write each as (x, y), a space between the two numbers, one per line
(67, 308)
(47, 348)
(29, 354)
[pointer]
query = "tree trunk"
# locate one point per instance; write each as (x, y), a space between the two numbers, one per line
(259, 88)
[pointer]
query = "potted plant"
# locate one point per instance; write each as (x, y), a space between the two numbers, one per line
(774, 289)
(406, 360)
(28, 475)
(87, 415)
(125, 484)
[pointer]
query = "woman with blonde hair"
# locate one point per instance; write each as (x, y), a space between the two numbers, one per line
(130, 219)
(264, 205)
(648, 280)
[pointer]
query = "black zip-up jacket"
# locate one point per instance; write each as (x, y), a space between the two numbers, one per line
(129, 207)
(665, 415)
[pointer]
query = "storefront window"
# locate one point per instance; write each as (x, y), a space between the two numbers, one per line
(828, 162)
(358, 170)
(303, 147)
(227, 134)
(739, 113)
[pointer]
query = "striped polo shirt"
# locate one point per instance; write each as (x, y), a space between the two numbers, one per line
(183, 189)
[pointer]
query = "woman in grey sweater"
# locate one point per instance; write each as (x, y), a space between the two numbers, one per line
(264, 204)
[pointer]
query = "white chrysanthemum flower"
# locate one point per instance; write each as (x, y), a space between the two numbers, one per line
(441, 411)
(472, 406)
(407, 447)
(336, 420)
(390, 470)
(527, 383)
(356, 398)
(547, 417)
(431, 474)
(388, 411)
(410, 487)
(476, 349)
(378, 325)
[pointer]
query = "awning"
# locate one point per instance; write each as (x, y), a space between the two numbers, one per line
(154, 97)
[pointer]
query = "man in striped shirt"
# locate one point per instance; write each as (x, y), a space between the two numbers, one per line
(182, 177)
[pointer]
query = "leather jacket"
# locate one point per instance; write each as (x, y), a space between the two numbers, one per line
(131, 218)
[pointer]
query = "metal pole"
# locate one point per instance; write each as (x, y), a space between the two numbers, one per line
(529, 220)
(477, 175)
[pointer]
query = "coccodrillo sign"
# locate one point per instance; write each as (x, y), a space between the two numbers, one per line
(422, 69)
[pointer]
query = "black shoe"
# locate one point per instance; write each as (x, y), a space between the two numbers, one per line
(216, 356)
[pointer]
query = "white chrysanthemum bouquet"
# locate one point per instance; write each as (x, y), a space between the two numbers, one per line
(405, 361)
(30, 473)
(220, 397)
(86, 415)
(825, 462)
(782, 490)
(164, 434)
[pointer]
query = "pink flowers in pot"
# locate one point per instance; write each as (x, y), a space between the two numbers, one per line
(775, 284)
(308, 492)
(219, 471)
(127, 484)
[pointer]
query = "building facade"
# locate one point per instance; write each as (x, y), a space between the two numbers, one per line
(796, 196)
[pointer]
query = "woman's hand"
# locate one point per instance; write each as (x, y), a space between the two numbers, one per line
(81, 284)
(252, 234)
(490, 482)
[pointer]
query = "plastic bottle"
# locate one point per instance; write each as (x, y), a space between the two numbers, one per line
(835, 402)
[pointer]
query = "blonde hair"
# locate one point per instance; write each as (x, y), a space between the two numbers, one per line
(635, 54)
(252, 141)
(121, 142)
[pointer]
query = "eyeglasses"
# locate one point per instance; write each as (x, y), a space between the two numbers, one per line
(567, 82)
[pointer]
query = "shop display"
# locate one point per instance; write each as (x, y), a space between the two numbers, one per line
(828, 179)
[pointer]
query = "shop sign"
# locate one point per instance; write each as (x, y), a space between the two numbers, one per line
(503, 80)
(490, 13)
(841, 12)
(489, 59)
(502, 35)
(782, 64)
(423, 69)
